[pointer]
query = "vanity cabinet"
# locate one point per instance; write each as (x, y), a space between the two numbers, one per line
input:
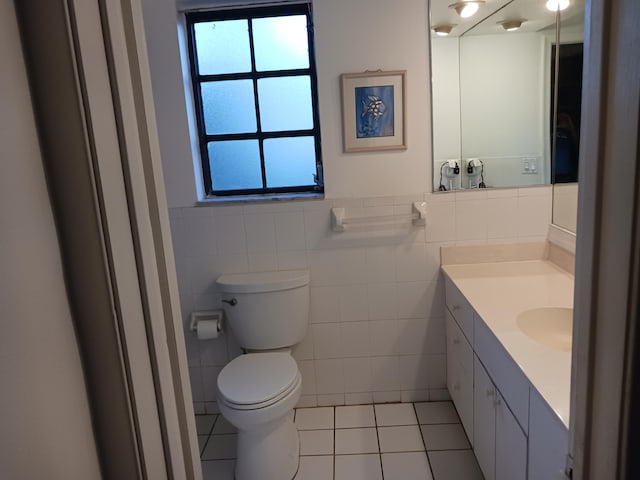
(516, 414)
(514, 433)
(500, 445)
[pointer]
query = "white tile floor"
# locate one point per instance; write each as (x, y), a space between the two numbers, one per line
(397, 441)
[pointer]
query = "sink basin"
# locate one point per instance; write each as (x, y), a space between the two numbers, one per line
(550, 326)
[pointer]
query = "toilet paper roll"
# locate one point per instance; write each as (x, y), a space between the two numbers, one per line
(208, 329)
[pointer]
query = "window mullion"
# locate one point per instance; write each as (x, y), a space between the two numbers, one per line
(296, 72)
(257, 104)
(263, 135)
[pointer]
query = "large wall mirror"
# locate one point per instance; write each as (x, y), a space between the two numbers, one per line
(506, 107)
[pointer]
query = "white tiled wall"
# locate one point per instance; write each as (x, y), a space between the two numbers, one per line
(377, 321)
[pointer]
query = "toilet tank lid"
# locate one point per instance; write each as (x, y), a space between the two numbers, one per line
(262, 281)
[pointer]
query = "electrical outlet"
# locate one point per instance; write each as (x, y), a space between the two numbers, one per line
(529, 166)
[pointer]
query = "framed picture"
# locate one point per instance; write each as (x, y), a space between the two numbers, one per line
(373, 111)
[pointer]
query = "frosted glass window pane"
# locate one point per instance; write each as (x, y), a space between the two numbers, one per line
(229, 107)
(290, 162)
(223, 47)
(235, 165)
(280, 43)
(285, 103)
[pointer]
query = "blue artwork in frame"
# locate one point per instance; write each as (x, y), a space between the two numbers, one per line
(375, 111)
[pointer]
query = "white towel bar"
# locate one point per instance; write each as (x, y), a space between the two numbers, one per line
(418, 217)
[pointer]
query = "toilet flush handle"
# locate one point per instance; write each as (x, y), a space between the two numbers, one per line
(231, 302)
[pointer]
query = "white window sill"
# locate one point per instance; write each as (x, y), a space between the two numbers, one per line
(243, 199)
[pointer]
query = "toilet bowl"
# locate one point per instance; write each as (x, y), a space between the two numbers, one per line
(257, 393)
(267, 313)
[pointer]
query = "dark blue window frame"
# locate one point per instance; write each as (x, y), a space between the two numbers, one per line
(315, 184)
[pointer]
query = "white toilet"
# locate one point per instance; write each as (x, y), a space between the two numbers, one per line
(267, 313)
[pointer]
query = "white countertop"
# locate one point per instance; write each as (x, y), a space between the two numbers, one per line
(498, 292)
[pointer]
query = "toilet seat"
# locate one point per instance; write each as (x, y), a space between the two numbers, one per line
(258, 380)
(258, 406)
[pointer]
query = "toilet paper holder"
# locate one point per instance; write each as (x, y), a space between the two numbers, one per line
(206, 316)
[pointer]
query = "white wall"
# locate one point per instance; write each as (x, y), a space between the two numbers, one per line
(44, 411)
(377, 320)
(359, 35)
(169, 80)
(504, 104)
(565, 205)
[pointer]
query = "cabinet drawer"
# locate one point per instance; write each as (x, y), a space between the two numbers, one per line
(504, 372)
(459, 308)
(458, 346)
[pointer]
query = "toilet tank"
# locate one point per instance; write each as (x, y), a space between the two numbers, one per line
(266, 310)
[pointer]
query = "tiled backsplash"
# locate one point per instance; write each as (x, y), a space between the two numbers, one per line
(377, 316)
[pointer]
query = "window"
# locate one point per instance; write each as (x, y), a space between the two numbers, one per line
(255, 92)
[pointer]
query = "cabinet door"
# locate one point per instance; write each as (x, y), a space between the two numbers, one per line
(484, 420)
(548, 441)
(453, 375)
(511, 444)
(460, 374)
(465, 403)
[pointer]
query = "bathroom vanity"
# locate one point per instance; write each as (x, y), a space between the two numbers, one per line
(509, 359)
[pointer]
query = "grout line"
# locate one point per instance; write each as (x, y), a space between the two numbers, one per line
(217, 459)
(213, 425)
(209, 435)
(449, 449)
(423, 442)
(440, 423)
(353, 454)
(341, 428)
(334, 442)
(204, 445)
(375, 421)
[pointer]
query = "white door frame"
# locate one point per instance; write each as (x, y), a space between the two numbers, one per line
(155, 249)
(608, 243)
(92, 96)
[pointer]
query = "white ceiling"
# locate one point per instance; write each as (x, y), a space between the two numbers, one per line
(486, 20)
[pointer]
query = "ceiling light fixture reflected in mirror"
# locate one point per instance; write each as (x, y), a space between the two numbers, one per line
(442, 30)
(511, 25)
(555, 5)
(466, 8)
